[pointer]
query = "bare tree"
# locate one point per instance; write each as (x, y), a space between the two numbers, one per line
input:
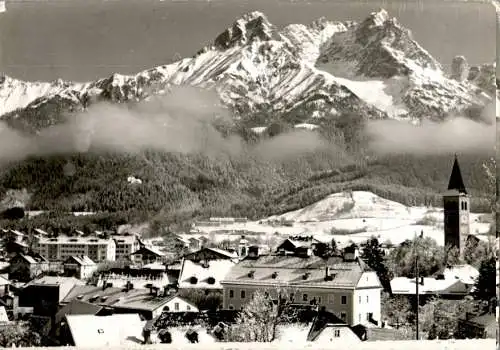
(261, 316)
(493, 186)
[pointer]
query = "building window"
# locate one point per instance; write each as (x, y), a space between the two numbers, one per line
(188, 308)
(465, 205)
(367, 299)
(360, 299)
(231, 293)
(176, 306)
(343, 316)
(331, 299)
(243, 294)
(337, 333)
(304, 297)
(231, 307)
(344, 300)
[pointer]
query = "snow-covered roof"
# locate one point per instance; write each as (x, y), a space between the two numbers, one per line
(148, 249)
(89, 240)
(275, 269)
(448, 286)
(66, 284)
(216, 269)
(465, 273)
(41, 232)
(82, 260)
(155, 266)
(4, 281)
(89, 331)
(3, 315)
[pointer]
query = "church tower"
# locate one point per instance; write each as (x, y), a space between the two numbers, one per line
(456, 210)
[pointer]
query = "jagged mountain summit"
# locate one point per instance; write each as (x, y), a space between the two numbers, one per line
(299, 74)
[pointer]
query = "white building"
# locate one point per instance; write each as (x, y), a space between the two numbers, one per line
(345, 286)
(204, 274)
(63, 247)
(178, 304)
(82, 267)
(125, 246)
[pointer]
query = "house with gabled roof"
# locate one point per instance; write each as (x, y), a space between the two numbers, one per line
(343, 285)
(147, 255)
(439, 285)
(79, 266)
(298, 244)
(327, 328)
(25, 267)
(207, 254)
(206, 274)
(89, 331)
(147, 300)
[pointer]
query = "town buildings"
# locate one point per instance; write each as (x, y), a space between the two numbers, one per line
(126, 245)
(343, 285)
(147, 300)
(63, 247)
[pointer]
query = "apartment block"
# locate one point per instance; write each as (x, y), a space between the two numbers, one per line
(126, 245)
(63, 247)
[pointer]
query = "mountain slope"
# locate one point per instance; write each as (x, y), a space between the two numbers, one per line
(264, 76)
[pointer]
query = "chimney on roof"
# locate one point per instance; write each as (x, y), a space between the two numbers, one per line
(351, 252)
(422, 280)
(328, 274)
(253, 252)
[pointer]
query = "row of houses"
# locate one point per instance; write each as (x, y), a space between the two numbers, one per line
(342, 286)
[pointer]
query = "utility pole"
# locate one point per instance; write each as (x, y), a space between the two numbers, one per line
(416, 285)
(416, 291)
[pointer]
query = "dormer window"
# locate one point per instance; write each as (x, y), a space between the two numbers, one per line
(193, 280)
(251, 273)
(274, 275)
(305, 276)
(100, 331)
(211, 280)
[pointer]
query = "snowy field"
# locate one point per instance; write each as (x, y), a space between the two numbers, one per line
(347, 218)
(381, 345)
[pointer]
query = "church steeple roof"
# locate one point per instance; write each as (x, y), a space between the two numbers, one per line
(456, 180)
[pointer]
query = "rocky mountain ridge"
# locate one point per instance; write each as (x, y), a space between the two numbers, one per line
(299, 74)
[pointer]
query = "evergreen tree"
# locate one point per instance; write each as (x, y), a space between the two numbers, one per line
(485, 288)
(373, 255)
(334, 248)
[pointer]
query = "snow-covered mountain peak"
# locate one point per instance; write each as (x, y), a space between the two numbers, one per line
(377, 19)
(303, 73)
(251, 26)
